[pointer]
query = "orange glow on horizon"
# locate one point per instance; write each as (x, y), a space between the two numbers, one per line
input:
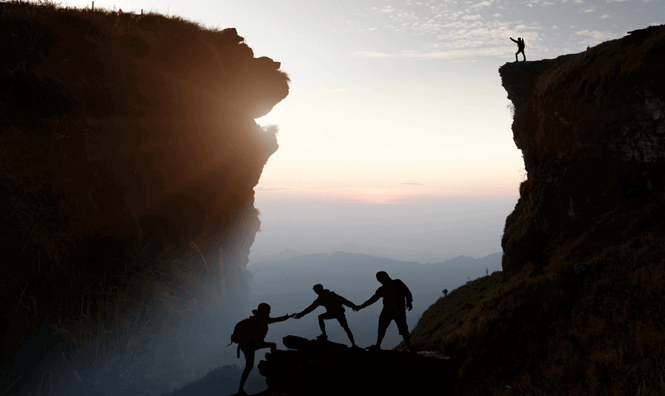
(381, 195)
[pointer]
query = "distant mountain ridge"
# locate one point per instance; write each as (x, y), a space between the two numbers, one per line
(354, 273)
(345, 257)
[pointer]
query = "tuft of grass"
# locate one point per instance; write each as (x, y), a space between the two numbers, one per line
(642, 389)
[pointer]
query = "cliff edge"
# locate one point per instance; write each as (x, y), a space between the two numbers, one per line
(128, 159)
(591, 128)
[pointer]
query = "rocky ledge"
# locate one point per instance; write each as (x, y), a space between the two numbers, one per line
(327, 368)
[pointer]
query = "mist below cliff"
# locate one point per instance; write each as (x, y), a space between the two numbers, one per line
(424, 230)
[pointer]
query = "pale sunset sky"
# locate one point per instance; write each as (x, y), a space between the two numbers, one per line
(396, 132)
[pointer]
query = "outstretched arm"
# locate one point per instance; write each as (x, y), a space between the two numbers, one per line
(513, 39)
(279, 319)
(350, 304)
(371, 301)
(308, 310)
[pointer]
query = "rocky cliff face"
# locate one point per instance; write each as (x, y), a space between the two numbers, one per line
(591, 127)
(578, 309)
(128, 158)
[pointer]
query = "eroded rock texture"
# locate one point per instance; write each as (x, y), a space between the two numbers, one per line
(591, 127)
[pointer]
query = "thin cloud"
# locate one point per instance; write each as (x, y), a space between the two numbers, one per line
(480, 5)
(372, 54)
(594, 36)
(605, 16)
(271, 188)
(414, 184)
(451, 54)
(450, 32)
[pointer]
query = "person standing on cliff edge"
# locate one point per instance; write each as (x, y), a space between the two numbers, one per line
(396, 298)
(520, 47)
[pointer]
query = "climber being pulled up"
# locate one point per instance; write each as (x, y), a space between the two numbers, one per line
(250, 335)
(334, 310)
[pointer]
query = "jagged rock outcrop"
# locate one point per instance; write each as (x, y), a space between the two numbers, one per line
(591, 127)
(328, 368)
(128, 158)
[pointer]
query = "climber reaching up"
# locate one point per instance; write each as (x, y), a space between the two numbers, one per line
(250, 336)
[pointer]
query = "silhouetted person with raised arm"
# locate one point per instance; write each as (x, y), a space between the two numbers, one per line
(332, 302)
(520, 47)
(396, 298)
(252, 333)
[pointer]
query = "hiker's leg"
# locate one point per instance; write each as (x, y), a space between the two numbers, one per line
(321, 324)
(384, 321)
(249, 365)
(516, 59)
(324, 316)
(404, 330)
(345, 325)
(271, 345)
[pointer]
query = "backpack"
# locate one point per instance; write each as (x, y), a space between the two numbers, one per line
(247, 331)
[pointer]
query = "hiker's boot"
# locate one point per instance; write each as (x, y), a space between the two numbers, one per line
(322, 337)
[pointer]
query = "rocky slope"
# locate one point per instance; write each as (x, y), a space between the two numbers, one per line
(578, 309)
(327, 368)
(128, 157)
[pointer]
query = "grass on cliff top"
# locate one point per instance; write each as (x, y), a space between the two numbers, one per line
(448, 313)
